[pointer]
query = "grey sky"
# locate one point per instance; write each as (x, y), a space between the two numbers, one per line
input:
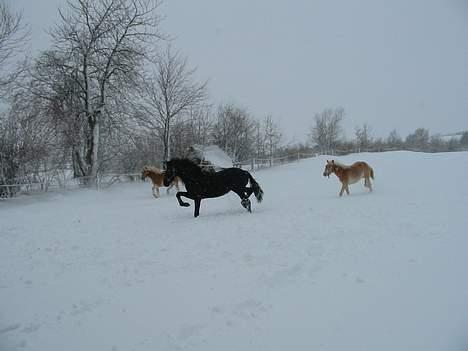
(393, 64)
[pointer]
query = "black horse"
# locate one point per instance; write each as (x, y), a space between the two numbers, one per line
(202, 184)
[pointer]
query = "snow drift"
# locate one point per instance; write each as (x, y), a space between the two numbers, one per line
(119, 270)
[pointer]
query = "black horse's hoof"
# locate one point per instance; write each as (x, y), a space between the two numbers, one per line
(246, 204)
(185, 204)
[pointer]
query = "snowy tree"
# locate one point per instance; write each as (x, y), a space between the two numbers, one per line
(272, 135)
(194, 129)
(13, 37)
(419, 139)
(259, 140)
(363, 137)
(167, 94)
(394, 139)
(464, 140)
(104, 43)
(234, 131)
(326, 130)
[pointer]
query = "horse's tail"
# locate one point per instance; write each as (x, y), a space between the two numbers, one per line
(371, 172)
(257, 190)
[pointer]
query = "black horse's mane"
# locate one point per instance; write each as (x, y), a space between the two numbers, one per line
(188, 164)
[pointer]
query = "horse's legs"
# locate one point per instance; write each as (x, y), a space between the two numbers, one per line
(244, 195)
(197, 200)
(343, 187)
(169, 188)
(369, 184)
(248, 191)
(347, 189)
(155, 191)
(179, 195)
(196, 212)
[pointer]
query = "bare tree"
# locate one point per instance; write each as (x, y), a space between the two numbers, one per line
(258, 140)
(27, 144)
(437, 144)
(419, 139)
(319, 132)
(394, 139)
(200, 123)
(168, 94)
(56, 85)
(272, 136)
(104, 43)
(234, 131)
(326, 130)
(194, 129)
(363, 137)
(464, 140)
(13, 36)
(8, 153)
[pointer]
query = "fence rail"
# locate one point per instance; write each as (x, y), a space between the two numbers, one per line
(259, 163)
(103, 180)
(62, 182)
(8, 191)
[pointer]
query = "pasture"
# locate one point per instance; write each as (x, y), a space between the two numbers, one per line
(119, 270)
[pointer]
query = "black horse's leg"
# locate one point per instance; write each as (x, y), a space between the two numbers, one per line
(187, 195)
(197, 200)
(196, 213)
(244, 195)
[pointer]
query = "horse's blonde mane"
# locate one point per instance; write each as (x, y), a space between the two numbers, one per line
(153, 169)
(340, 164)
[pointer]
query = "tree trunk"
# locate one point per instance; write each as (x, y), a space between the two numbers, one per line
(167, 142)
(78, 163)
(168, 153)
(95, 148)
(92, 147)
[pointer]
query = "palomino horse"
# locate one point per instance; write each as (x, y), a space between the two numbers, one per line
(157, 178)
(350, 174)
(202, 184)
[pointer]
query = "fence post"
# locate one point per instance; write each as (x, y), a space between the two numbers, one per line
(252, 166)
(298, 156)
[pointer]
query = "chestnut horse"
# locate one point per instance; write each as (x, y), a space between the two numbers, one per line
(157, 178)
(350, 174)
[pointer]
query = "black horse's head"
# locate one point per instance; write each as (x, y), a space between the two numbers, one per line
(169, 172)
(183, 168)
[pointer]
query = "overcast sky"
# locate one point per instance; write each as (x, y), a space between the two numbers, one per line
(391, 63)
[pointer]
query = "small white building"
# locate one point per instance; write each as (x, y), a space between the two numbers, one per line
(210, 155)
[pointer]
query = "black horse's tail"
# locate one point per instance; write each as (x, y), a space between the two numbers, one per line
(257, 190)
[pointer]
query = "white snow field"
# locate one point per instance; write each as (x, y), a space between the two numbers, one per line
(118, 270)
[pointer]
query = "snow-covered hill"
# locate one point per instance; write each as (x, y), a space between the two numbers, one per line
(119, 270)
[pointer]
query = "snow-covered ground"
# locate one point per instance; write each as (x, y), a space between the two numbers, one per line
(119, 270)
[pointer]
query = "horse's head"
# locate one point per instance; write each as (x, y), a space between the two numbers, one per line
(145, 173)
(169, 173)
(329, 168)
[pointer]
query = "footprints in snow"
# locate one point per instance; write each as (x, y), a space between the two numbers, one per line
(9, 328)
(284, 276)
(30, 328)
(226, 317)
